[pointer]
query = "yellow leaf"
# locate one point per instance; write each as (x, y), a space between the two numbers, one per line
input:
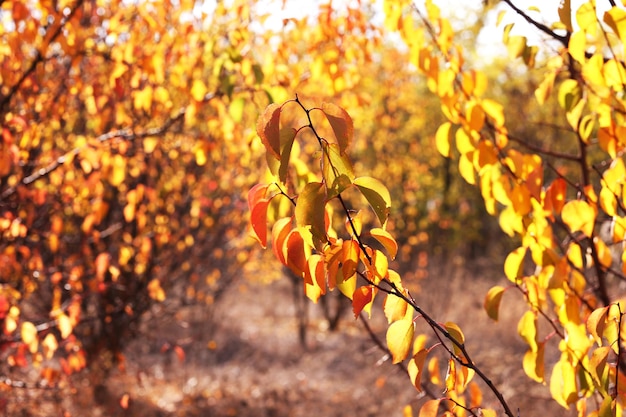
(394, 308)
(494, 110)
(545, 88)
(513, 264)
(608, 201)
(533, 363)
(586, 17)
(377, 196)
(577, 45)
(466, 168)
(527, 328)
(443, 139)
(64, 323)
(515, 46)
(492, 301)
(563, 383)
(455, 332)
(450, 380)
(400, 338)
(580, 216)
(616, 19)
(198, 90)
(118, 170)
(50, 345)
(614, 74)
(570, 94)
(315, 277)
(577, 339)
(464, 141)
(29, 336)
(604, 253)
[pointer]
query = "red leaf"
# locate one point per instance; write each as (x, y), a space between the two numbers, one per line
(255, 194)
(268, 129)
(280, 231)
(295, 254)
(361, 298)
(258, 220)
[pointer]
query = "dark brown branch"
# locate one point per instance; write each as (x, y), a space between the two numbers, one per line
(563, 39)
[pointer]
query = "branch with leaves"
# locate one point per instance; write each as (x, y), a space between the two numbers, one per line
(304, 240)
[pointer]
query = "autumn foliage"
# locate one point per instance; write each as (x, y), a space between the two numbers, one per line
(134, 132)
(562, 203)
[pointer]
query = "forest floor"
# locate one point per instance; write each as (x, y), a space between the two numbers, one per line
(243, 358)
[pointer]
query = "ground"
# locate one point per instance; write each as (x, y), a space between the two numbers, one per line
(242, 357)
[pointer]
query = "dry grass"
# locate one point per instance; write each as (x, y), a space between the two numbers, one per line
(243, 358)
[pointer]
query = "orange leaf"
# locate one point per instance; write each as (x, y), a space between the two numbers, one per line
(341, 123)
(399, 339)
(596, 322)
(351, 252)
(385, 239)
(556, 194)
(268, 129)
(155, 291)
(451, 376)
(430, 409)
(315, 278)
(125, 401)
(362, 300)
(258, 220)
(416, 368)
(280, 231)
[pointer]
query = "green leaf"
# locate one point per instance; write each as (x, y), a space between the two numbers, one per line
(309, 213)
(377, 195)
(336, 169)
(341, 123)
